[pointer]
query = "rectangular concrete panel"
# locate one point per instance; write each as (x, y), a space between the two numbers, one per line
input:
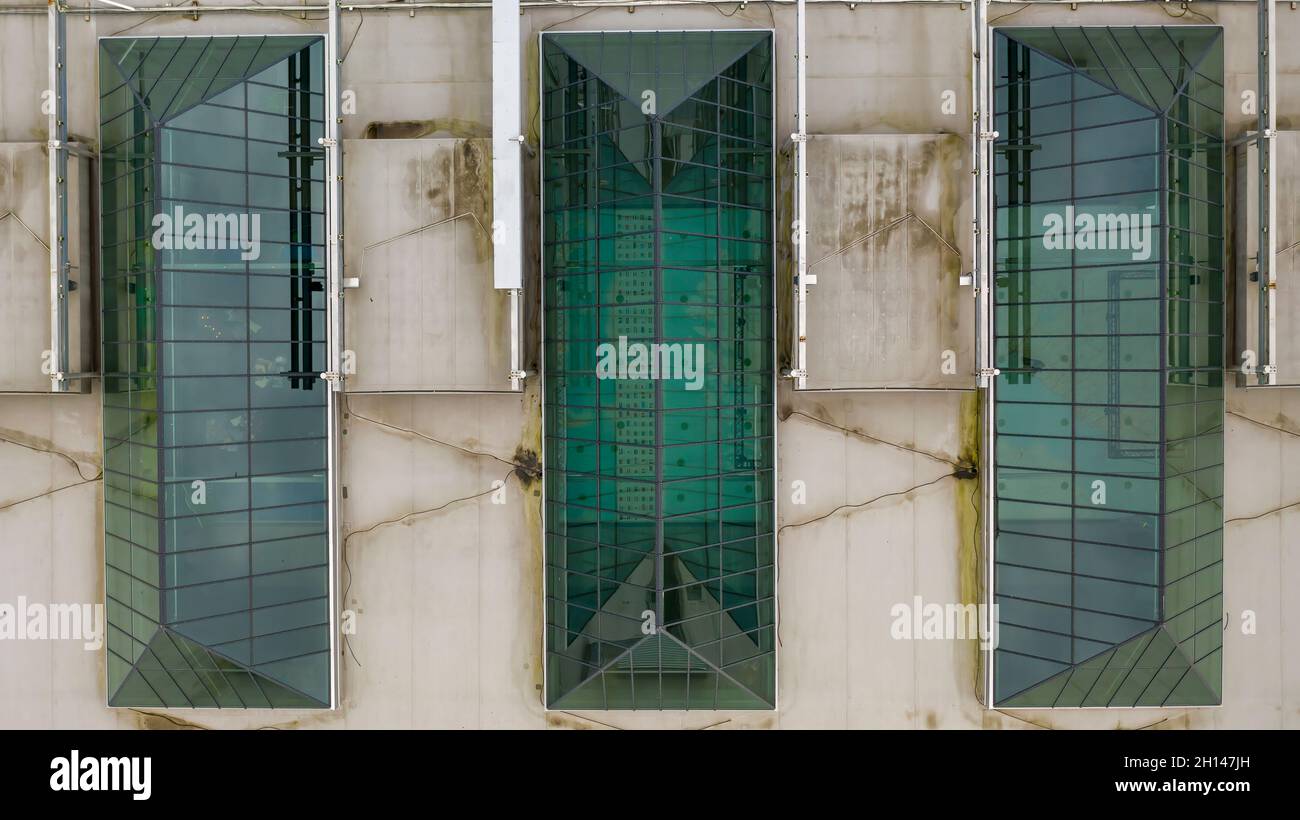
(425, 318)
(887, 311)
(1286, 161)
(25, 269)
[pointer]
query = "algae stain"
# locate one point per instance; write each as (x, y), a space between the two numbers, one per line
(529, 474)
(416, 129)
(153, 720)
(968, 513)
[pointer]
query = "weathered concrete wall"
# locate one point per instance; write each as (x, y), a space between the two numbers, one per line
(446, 584)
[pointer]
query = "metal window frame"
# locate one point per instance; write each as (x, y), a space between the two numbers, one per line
(333, 308)
(983, 137)
(776, 376)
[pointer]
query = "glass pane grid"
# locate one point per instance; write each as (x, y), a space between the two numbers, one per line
(214, 413)
(1109, 411)
(657, 230)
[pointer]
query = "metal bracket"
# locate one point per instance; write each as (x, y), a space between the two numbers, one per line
(799, 137)
(987, 374)
(332, 376)
(327, 142)
(989, 136)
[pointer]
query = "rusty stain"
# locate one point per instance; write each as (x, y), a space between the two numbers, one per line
(530, 443)
(416, 129)
(528, 466)
(154, 720)
(967, 496)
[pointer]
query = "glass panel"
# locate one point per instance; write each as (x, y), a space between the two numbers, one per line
(212, 508)
(1109, 334)
(659, 326)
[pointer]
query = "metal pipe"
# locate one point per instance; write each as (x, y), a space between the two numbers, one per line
(1267, 254)
(334, 304)
(800, 231)
(534, 4)
(507, 174)
(58, 173)
(982, 281)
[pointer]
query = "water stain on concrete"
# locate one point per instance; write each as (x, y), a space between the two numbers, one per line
(417, 129)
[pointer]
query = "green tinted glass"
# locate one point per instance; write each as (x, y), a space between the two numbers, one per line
(657, 155)
(1109, 334)
(214, 413)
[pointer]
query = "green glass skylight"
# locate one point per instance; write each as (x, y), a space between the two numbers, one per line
(1109, 264)
(214, 414)
(657, 154)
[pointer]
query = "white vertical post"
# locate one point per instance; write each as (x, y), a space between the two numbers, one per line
(507, 173)
(982, 137)
(58, 172)
(799, 234)
(1267, 192)
(334, 319)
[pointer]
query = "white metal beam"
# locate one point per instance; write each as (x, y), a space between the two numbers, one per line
(507, 173)
(1267, 131)
(982, 137)
(334, 320)
(799, 232)
(58, 182)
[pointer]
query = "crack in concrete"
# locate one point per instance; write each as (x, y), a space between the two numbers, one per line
(529, 469)
(877, 440)
(865, 503)
(347, 565)
(1270, 427)
(1263, 423)
(12, 504)
(76, 465)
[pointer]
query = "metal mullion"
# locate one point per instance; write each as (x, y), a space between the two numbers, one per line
(259, 140)
(254, 609)
(1010, 82)
(271, 507)
(656, 142)
(161, 74)
(1156, 673)
(324, 623)
(188, 74)
(1219, 562)
(202, 97)
(1146, 622)
(743, 538)
(634, 163)
(134, 668)
(1211, 140)
(1073, 574)
(1065, 165)
(219, 169)
(167, 634)
(160, 380)
(1039, 135)
(168, 673)
(1040, 537)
